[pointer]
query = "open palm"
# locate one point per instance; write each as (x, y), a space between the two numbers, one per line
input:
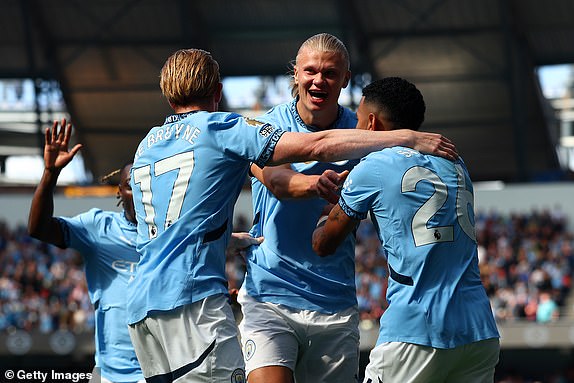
(56, 153)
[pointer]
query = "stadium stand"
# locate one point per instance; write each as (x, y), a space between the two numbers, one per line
(526, 261)
(523, 259)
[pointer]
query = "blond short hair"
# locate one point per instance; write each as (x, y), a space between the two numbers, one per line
(189, 75)
(322, 42)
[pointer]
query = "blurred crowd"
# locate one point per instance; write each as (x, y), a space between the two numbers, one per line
(42, 287)
(526, 263)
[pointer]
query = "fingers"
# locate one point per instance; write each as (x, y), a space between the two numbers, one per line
(48, 136)
(51, 134)
(66, 131)
(242, 240)
(61, 132)
(329, 185)
(249, 240)
(448, 148)
(257, 240)
(58, 132)
(329, 195)
(325, 184)
(343, 176)
(438, 145)
(327, 189)
(75, 149)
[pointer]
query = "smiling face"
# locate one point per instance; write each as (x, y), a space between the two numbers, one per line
(319, 77)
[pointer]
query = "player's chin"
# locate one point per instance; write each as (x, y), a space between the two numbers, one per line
(318, 103)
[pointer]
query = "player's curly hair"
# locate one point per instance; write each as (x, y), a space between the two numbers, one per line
(189, 75)
(322, 42)
(399, 99)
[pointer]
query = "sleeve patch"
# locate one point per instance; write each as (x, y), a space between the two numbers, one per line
(265, 129)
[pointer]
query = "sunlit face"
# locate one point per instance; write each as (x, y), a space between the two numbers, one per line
(319, 76)
(125, 192)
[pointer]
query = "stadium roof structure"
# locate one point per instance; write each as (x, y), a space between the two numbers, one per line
(474, 60)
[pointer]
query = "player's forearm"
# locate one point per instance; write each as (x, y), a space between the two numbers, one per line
(288, 184)
(332, 231)
(320, 244)
(353, 143)
(301, 186)
(41, 223)
(323, 243)
(336, 144)
(285, 183)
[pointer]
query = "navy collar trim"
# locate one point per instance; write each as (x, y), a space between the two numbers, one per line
(179, 116)
(293, 107)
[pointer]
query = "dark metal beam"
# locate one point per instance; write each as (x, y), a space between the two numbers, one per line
(422, 15)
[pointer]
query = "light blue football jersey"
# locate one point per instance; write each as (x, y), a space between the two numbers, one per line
(186, 177)
(423, 210)
(284, 269)
(106, 240)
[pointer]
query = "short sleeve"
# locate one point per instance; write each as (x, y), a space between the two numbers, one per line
(250, 139)
(80, 230)
(360, 190)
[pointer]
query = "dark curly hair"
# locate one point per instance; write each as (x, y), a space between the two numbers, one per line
(399, 99)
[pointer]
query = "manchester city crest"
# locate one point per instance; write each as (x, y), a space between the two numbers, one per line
(238, 376)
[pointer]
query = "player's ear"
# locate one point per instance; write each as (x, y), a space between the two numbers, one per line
(347, 79)
(295, 72)
(373, 124)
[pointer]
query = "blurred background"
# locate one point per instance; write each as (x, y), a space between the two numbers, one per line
(497, 77)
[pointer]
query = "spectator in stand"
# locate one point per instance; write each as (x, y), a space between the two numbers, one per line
(547, 308)
(522, 255)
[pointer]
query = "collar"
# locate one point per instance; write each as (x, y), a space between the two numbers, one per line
(293, 108)
(179, 116)
(128, 222)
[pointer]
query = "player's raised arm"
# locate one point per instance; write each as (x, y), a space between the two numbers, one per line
(340, 144)
(41, 223)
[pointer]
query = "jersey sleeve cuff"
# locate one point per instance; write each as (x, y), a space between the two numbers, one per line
(351, 212)
(269, 148)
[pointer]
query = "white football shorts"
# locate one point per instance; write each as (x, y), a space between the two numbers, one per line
(405, 362)
(317, 347)
(193, 343)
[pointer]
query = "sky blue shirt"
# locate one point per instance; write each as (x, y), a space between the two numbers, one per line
(284, 269)
(423, 211)
(106, 240)
(186, 177)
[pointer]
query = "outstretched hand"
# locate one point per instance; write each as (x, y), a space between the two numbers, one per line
(329, 184)
(434, 143)
(56, 153)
